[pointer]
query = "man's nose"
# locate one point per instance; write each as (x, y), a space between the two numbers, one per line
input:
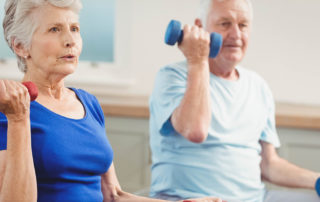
(235, 32)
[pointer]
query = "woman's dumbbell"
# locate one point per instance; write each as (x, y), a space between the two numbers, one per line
(32, 89)
(174, 34)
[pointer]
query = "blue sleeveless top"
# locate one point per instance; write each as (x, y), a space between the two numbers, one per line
(69, 154)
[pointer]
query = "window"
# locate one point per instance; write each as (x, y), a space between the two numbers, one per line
(105, 60)
(97, 29)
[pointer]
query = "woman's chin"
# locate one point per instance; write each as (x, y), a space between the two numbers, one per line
(64, 71)
(69, 68)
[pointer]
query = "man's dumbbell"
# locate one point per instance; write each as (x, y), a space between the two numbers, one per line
(317, 187)
(32, 89)
(174, 34)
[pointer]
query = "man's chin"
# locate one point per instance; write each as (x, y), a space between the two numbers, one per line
(233, 58)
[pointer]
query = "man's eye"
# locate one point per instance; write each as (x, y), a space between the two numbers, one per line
(225, 24)
(243, 25)
(54, 29)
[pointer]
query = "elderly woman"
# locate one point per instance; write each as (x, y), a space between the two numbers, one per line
(55, 148)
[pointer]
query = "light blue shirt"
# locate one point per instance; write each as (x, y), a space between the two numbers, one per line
(227, 163)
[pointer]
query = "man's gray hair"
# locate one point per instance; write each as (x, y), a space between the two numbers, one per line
(19, 22)
(205, 6)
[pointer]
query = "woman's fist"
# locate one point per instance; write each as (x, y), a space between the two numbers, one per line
(14, 100)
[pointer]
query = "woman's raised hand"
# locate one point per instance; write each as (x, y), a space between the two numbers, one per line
(14, 100)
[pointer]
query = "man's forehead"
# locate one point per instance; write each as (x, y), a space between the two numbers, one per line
(231, 8)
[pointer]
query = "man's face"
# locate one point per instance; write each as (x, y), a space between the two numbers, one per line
(232, 19)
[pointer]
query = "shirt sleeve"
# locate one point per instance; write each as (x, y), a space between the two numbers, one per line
(3, 132)
(169, 89)
(269, 134)
(93, 104)
(99, 111)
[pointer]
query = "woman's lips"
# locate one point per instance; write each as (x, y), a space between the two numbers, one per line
(69, 58)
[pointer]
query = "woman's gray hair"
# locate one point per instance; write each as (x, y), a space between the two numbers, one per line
(19, 22)
(205, 6)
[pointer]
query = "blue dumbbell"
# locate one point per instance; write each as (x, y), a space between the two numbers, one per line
(317, 187)
(174, 34)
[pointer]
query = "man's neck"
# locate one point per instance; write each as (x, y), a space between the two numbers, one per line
(225, 71)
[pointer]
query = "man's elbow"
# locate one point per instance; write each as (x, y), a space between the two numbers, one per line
(197, 136)
(196, 132)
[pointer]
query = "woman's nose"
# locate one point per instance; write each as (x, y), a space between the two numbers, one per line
(69, 40)
(69, 44)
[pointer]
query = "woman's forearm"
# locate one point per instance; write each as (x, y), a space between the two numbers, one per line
(19, 179)
(127, 197)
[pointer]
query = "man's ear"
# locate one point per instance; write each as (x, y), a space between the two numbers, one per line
(198, 22)
(19, 49)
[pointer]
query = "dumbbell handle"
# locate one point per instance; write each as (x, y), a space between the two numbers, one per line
(174, 34)
(32, 89)
(180, 36)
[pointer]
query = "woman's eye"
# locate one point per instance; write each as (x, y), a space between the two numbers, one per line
(75, 29)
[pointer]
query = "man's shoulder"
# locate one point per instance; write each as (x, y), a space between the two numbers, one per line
(175, 67)
(250, 74)
(255, 79)
(172, 72)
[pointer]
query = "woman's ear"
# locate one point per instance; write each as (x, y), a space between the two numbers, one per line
(19, 49)
(198, 22)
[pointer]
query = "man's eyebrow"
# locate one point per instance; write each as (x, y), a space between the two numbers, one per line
(243, 20)
(224, 19)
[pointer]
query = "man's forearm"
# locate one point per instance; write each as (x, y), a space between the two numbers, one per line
(284, 173)
(193, 116)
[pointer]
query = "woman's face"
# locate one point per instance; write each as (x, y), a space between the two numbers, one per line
(56, 43)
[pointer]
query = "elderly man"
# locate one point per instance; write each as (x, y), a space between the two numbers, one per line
(212, 123)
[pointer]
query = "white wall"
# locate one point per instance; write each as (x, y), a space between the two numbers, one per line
(284, 48)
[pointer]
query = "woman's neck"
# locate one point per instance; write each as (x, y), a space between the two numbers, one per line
(49, 87)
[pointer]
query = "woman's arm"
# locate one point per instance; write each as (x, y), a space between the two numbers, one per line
(110, 185)
(18, 179)
(3, 155)
(112, 191)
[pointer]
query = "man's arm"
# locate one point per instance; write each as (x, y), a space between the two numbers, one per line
(281, 172)
(192, 117)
